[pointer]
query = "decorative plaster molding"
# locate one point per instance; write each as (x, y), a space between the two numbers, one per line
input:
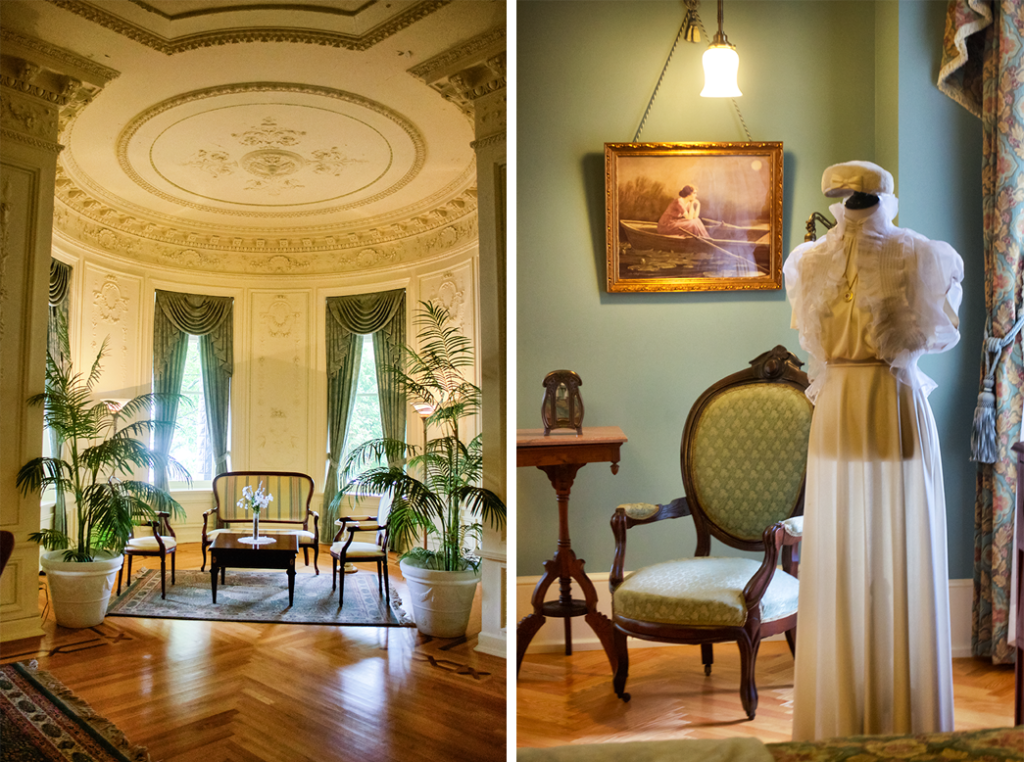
(107, 300)
(280, 319)
(491, 140)
(168, 46)
(414, 135)
(469, 52)
(63, 56)
(28, 140)
(80, 215)
(197, 12)
(31, 118)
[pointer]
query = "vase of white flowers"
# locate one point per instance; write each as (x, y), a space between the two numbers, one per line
(255, 501)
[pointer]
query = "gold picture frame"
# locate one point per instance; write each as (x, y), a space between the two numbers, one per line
(693, 216)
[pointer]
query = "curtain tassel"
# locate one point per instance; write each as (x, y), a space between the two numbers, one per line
(983, 432)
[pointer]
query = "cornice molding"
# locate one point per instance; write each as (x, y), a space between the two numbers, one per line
(465, 54)
(492, 140)
(55, 54)
(20, 137)
(236, 6)
(169, 47)
(318, 258)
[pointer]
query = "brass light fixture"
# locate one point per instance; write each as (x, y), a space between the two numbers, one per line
(720, 65)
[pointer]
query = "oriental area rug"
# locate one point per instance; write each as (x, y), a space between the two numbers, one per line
(41, 720)
(247, 596)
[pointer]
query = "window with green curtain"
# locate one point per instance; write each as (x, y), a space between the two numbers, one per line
(206, 322)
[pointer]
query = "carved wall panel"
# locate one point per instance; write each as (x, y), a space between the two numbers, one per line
(17, 210)
(112, 309)
(280, 363)
(455, 289)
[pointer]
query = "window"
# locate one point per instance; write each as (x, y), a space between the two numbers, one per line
(364, 423)
(191, 443)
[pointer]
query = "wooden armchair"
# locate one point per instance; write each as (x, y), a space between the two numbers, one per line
(743, 459)
(344, 549)
(163, 543)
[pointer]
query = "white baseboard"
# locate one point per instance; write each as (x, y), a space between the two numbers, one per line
(551, 639)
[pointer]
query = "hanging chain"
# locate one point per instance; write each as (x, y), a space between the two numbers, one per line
(650, 103)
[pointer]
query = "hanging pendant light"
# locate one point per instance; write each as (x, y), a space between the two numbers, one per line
(720, 65)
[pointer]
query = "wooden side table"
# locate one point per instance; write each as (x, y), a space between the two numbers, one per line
(561, 455)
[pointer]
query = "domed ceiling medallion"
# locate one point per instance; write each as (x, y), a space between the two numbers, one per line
(270, 149)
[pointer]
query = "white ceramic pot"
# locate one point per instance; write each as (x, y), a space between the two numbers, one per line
(441, 600)
(80, 591)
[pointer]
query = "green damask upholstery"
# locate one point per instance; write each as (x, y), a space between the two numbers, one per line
(701, 592)
(739, 489)
(639, 511)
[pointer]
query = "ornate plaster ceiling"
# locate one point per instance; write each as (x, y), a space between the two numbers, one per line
(268, 136)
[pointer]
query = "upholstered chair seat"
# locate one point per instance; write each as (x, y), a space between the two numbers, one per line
(702, 592)
(359, 551)
(150, 543)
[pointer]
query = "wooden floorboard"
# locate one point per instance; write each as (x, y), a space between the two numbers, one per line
(245, 692)
(563, 700)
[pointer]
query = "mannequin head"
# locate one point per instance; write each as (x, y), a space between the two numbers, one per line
(861, 200)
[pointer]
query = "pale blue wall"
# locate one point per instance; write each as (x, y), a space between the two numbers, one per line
(813, 78)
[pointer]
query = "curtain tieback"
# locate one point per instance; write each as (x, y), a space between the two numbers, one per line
(983, 432)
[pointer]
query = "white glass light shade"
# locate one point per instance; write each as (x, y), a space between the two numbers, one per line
(720, 66)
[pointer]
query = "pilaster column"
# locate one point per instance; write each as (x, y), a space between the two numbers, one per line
(472, 75)
(39, 84)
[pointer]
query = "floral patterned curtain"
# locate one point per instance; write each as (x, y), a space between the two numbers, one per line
(983, 70)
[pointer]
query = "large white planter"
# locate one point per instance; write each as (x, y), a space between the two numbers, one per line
(80, 591)
(441, 600)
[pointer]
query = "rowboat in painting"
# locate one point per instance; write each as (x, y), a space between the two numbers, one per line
(732, 250)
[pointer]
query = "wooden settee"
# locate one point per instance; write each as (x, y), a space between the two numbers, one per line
(288, 513)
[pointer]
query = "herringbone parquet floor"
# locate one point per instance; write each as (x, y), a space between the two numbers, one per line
(227, 692)
(564, 700)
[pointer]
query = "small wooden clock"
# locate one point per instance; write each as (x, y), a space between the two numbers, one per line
(562, 407)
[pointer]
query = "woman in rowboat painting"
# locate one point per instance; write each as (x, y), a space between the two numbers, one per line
(683, 215)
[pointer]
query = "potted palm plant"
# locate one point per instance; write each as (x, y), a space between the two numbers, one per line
(436, 487)
(100, 449)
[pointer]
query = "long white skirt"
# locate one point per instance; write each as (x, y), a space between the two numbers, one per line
(873, 634)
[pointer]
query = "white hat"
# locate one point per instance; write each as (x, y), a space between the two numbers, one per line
(842, 180)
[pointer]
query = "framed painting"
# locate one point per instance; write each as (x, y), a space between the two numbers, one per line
(693, 216)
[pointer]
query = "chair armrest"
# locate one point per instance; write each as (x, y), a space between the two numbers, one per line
(775, 538)
(627, 516)
(206, 517)
(316, 526)
(794, 526)
(164, 520)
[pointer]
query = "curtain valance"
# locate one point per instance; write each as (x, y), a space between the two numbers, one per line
(60, 282)
(197, 315)
(361, 314)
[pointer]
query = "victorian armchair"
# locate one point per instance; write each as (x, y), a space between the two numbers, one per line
(743, 460)
(345, 549)
(163, 543)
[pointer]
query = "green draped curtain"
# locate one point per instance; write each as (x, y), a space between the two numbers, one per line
(983, 55)
(177, 316)
(60, 287)
(381, 315)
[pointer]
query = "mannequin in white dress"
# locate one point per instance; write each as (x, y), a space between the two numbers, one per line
(873, 639)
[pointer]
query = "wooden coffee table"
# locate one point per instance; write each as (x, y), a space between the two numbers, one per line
(228, 550)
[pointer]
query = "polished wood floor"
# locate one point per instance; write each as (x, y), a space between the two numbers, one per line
(563, 700)
(227, 692)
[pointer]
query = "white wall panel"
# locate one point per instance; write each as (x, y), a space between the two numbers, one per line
(281, 361)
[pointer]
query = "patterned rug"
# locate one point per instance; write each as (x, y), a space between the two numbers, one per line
(964, 746)
(42, 721)
(260, 597)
